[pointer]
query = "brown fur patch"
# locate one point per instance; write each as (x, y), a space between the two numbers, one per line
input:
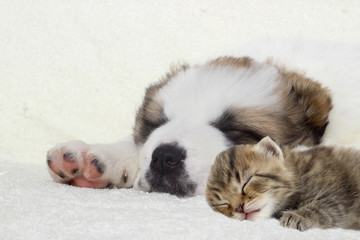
(306, 102)
(227, 61)
(149, 116)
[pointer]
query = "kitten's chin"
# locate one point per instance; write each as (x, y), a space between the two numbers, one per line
(251, 216)
(264, 213)
(240, 216)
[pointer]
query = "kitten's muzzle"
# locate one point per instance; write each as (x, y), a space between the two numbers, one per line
(240, 208)
(167, 158)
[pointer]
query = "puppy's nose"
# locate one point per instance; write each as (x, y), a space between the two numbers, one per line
(167, 158)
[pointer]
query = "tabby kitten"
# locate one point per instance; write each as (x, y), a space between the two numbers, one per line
(314, 188)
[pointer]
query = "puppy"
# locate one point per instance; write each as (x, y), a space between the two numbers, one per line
(195, 112)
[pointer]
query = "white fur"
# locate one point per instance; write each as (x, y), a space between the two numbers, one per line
(267, 209)
(186, 100)
(301, 148)
(265, 204)
(189, 93)
(118, 157)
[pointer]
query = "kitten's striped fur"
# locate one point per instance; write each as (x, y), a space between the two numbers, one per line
(318, 187)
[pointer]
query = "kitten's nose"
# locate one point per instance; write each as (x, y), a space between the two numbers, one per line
(167, 158)
(240, 208)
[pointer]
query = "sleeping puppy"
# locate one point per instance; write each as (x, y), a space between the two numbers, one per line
(195, 112)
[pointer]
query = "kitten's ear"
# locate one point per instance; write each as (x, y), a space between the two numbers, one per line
(268, 147)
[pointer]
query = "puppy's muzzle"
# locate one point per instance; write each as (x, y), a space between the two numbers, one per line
(167, 158)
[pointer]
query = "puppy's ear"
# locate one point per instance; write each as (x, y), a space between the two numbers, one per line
(268, 147)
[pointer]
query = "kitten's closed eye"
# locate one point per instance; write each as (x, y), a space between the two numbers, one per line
(224, 208)
(220, 204)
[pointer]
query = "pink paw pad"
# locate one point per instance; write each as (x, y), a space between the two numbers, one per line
(80, 170)
(71, 166)
(94, 169)
(83, 182)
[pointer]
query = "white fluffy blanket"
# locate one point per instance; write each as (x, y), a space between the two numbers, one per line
(77, 69)
(34, 207)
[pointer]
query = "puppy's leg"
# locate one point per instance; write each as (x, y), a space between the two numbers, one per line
(95, 166)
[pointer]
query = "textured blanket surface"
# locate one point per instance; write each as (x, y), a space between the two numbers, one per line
(34, 207)
(77, 69)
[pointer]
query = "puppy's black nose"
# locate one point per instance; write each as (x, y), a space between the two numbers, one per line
(167, 158)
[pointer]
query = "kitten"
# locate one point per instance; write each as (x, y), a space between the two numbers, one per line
(315, 188)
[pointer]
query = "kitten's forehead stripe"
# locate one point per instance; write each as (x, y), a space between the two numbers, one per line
(232, 156)
(220, 183)
(237, 176)
(229, 175)
(217, 196)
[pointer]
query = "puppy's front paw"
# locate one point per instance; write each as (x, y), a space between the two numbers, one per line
(291, 219)
(94, 166)
(71, 163)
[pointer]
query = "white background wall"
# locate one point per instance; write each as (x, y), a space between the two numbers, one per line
(77, 69)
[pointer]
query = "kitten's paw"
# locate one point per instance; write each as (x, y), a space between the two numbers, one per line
(291, 219)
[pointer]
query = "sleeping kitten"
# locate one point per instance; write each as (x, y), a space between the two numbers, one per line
(315, 188)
